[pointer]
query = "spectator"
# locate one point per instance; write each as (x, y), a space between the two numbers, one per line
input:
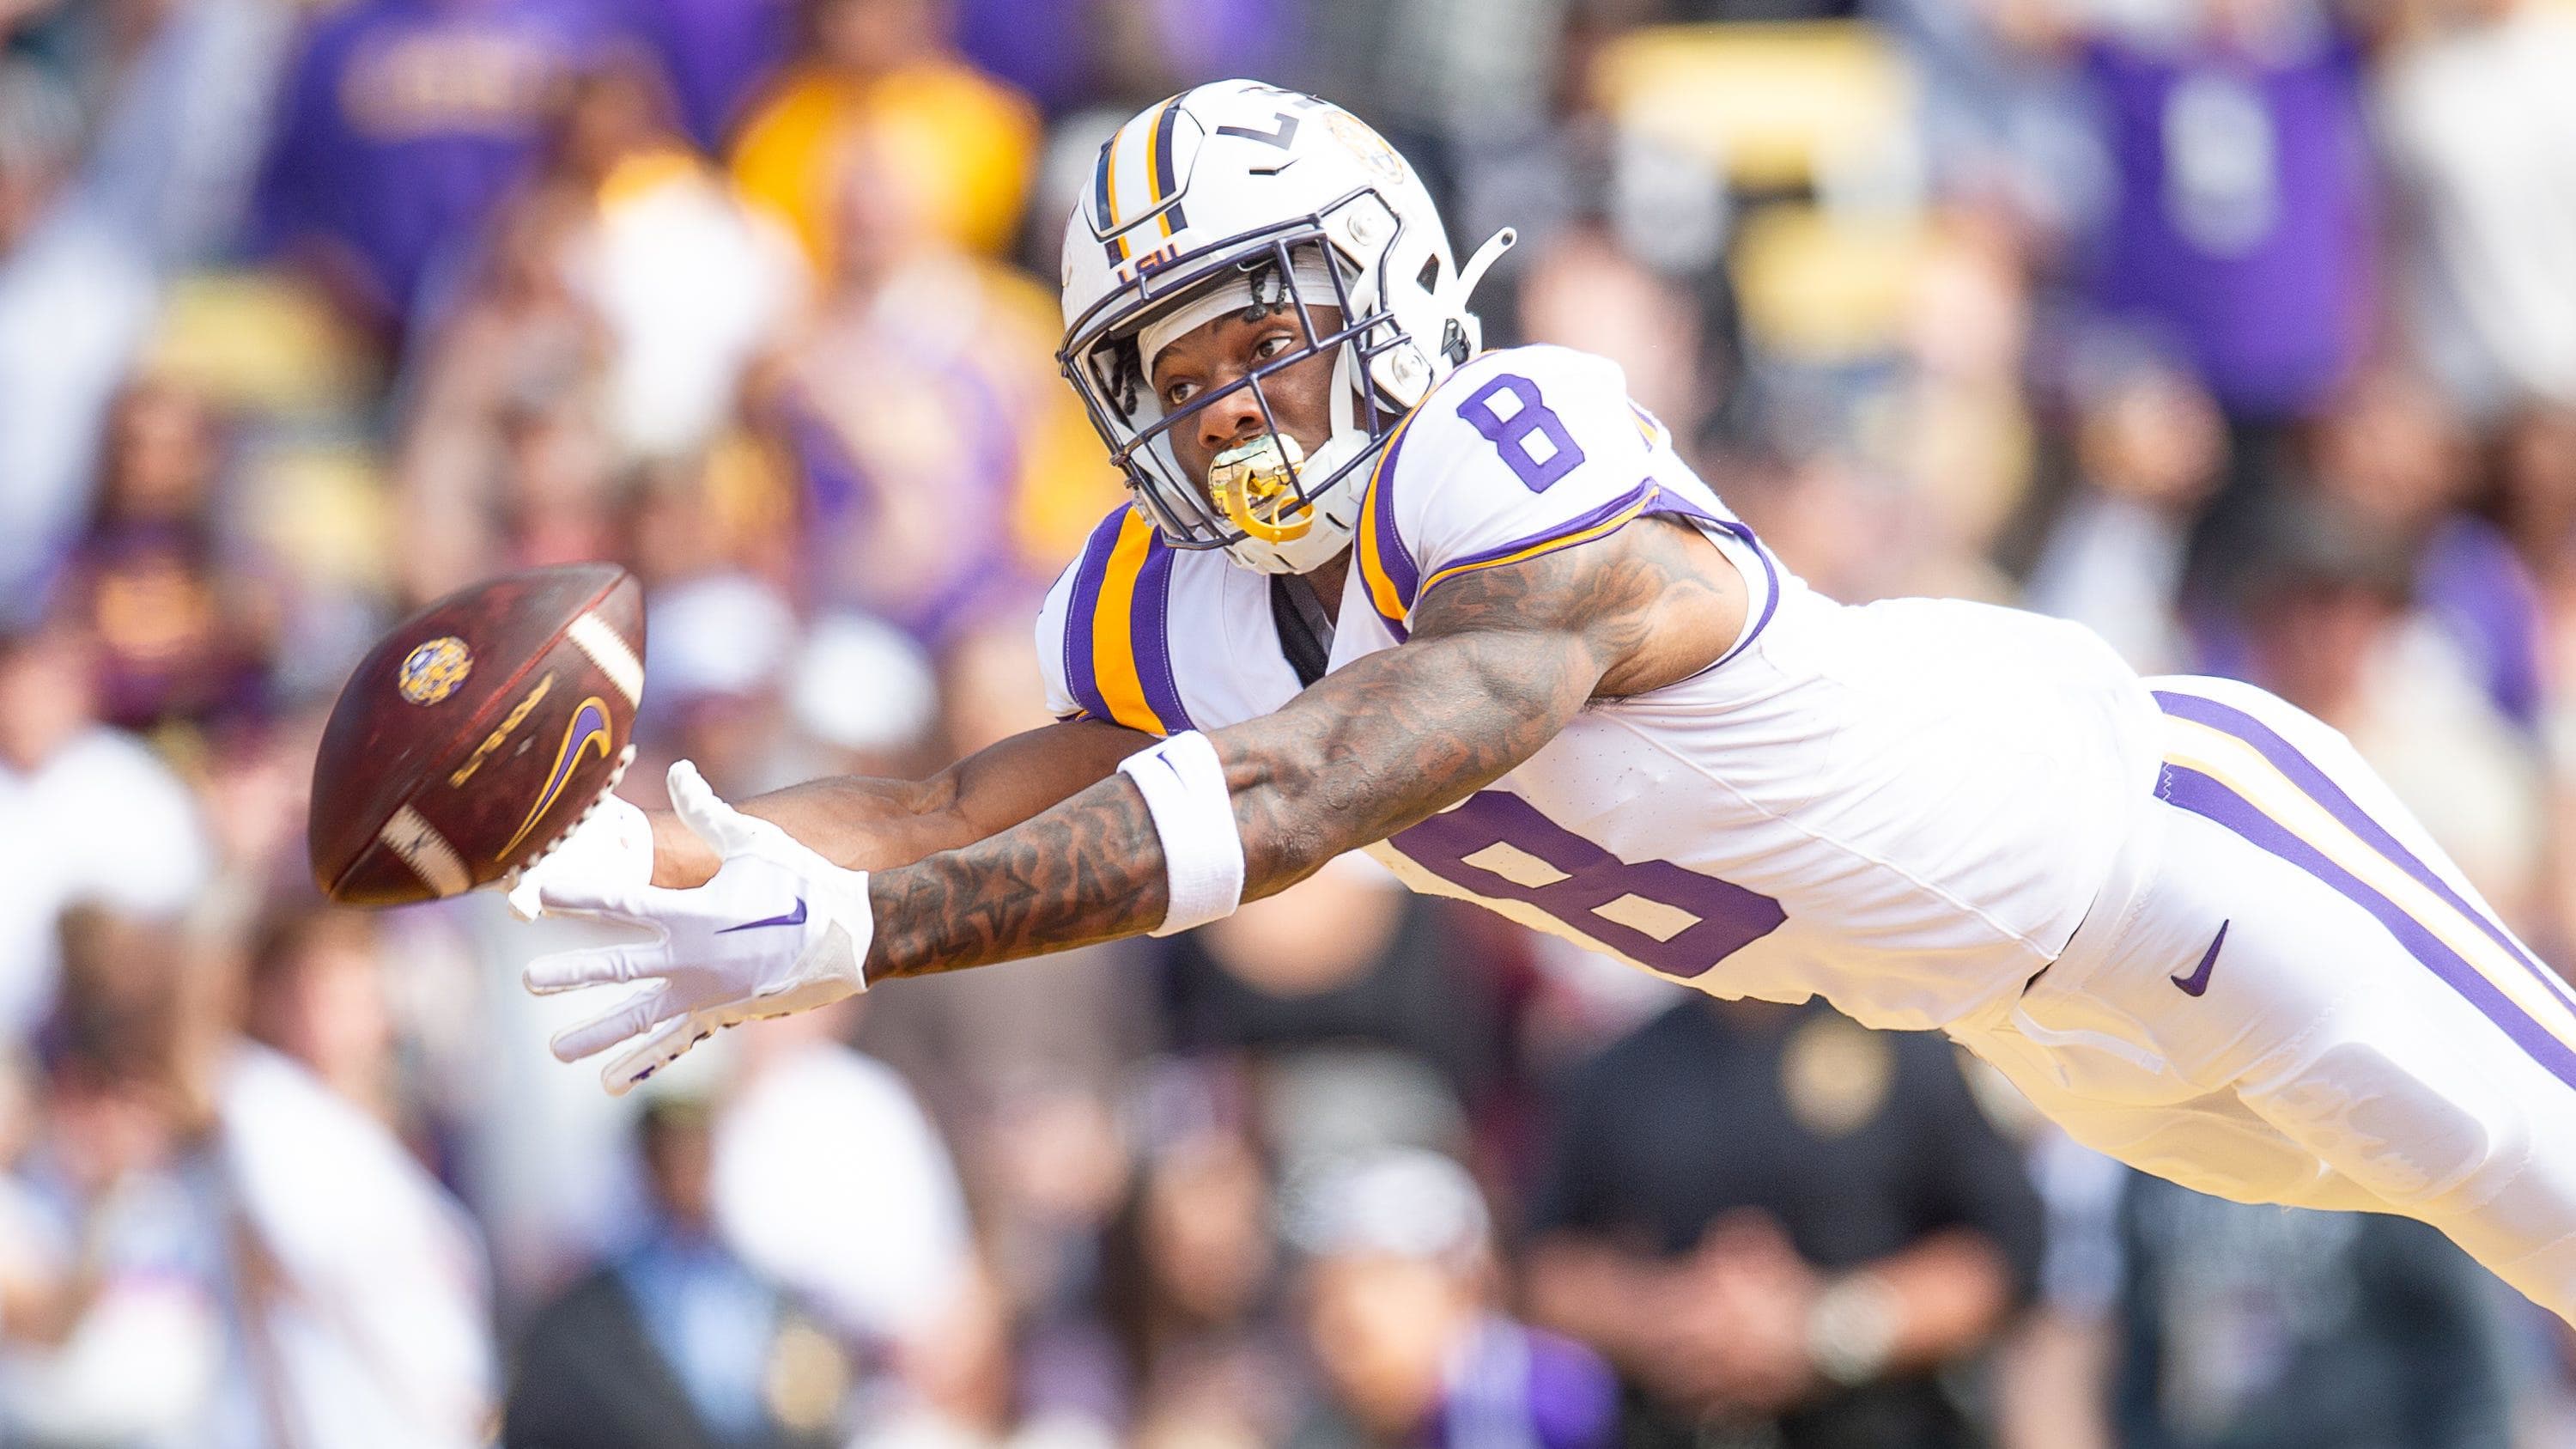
(119, 1330)
(2479, 123)
(2149, 447)
(401, 127)
(873, 1233)
(608, 326)
(1199, 1348)
(1779, 1227)
(1399, 1312)
(90, 234)
(86, 814)
(316, 996)
(2393, 453)
(883, 69)
(2327, 598)
(945, 468)
(2238, 233)
(720, 55)
(1343, 959)
(675, 1343)
(2235, 1326)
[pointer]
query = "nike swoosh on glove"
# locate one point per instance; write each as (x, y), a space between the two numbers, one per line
(778, 929)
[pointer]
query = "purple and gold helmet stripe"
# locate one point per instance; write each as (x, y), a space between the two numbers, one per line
(1164, 182)
(1160, 167)
(1105, 195)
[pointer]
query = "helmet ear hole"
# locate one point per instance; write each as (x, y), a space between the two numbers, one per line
(1428, 279)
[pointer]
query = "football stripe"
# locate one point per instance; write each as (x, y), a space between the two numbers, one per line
(426, 852)
(614, 656)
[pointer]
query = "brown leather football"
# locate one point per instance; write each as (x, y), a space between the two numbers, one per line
(476, 734)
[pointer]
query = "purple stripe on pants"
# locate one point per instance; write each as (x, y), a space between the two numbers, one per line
(2320, 787)
(2204, 796)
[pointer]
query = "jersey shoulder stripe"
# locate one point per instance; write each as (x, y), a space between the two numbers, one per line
(1390, 570)
(1591, 524)
(1386, 565)
(1117, 628)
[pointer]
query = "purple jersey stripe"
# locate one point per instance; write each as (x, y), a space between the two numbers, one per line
(1081, 671)
(1602, 514)
(1392, 555)
(2320, 787)
(1770, 598)
(1667, 501)
(1149, 631)
(2205, 796)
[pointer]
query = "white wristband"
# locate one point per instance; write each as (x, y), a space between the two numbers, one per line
(1184, 787)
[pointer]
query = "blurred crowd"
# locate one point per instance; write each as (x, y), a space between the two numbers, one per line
(2241, 330)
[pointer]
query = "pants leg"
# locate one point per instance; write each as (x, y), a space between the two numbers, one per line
(2304, 949)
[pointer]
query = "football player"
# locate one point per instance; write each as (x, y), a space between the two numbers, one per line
(1470, 610)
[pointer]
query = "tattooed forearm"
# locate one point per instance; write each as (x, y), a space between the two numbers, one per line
(873, 824)
(1499, 661)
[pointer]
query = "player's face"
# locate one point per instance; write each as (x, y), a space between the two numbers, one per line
(1205, 360)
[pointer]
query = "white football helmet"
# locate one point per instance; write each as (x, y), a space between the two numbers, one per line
(1238, 185)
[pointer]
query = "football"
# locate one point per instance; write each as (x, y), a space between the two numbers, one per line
(476, 734)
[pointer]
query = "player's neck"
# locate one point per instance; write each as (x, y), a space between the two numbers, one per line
(1327, 581)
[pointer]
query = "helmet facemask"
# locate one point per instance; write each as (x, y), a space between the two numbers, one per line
(1272, 506)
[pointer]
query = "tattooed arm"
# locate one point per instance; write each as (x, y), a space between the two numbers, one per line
(1499, 661)
(870, 824)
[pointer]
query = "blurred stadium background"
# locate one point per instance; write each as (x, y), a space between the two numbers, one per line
(2243, 330)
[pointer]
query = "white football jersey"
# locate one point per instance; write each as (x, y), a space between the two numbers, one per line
(1903, 807)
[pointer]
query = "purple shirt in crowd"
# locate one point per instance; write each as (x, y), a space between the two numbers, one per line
(1519, 1385)
(403, 123)
(718, 55)
(2239, 223)
(2480, 595)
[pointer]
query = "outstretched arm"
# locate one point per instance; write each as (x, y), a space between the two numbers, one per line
(870, 824)
(1501, 660)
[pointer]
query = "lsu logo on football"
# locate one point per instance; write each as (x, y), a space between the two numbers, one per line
(589, 728)
(432, 671)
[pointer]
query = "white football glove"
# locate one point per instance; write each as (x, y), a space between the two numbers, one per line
(779, 929)
(610, 848)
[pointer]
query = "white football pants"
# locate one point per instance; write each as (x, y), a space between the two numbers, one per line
(2288, 994)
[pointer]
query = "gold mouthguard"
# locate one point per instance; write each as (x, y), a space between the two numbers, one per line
(1255, 487)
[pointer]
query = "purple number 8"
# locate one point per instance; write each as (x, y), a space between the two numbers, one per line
(1510, 435)
(1653, 912)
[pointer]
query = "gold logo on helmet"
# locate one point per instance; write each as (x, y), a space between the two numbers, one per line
(1370, 147)
(432, 671)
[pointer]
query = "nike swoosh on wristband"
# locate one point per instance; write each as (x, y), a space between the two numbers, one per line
(2198, 981)
(795, 917)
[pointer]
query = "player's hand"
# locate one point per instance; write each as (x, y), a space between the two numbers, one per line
(779, 929)
(609, 849)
